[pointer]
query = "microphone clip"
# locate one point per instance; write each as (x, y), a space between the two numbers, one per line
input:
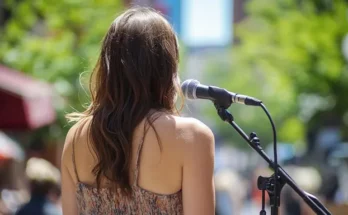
(222, 98)
(223, 113)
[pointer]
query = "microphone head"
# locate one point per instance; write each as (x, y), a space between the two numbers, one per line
(189, 87)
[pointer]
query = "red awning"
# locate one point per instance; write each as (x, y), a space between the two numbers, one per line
(24, 103)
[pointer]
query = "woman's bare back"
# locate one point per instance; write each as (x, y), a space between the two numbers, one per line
(161, 162)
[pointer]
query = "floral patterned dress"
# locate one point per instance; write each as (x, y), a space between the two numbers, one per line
(93, 201)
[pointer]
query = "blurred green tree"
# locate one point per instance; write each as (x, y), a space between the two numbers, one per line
(56, 41)
(289, 54)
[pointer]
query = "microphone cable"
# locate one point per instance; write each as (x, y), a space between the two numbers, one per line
(275, 162)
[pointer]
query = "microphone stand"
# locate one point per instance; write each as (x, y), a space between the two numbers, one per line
(266, 184)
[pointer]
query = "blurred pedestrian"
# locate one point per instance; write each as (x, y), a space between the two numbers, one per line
(308, 179)
(44, 181)
(231, 192)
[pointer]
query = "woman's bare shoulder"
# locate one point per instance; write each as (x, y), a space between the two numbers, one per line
(182, 125)
(76, 133)
(193, 128)
(182, 130)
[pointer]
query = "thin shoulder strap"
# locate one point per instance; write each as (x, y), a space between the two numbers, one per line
(74, 161)
(137, 164)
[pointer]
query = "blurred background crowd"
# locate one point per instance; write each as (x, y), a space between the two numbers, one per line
(291, 54)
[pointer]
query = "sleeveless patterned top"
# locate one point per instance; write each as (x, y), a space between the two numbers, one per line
(92, 201)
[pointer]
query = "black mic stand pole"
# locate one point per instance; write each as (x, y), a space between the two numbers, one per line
(267, 183)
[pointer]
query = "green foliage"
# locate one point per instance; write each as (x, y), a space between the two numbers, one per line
(288, 51)
(55, 41)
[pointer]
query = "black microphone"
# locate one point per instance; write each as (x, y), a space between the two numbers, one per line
(192, 89)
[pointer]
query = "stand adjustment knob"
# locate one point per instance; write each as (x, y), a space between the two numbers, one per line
(254, 139)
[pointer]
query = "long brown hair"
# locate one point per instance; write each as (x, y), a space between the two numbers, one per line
(136, 72)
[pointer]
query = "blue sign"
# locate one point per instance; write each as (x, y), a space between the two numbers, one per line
(200, 23)
(207, 23)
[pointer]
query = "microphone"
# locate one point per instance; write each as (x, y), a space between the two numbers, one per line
(192, 89)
